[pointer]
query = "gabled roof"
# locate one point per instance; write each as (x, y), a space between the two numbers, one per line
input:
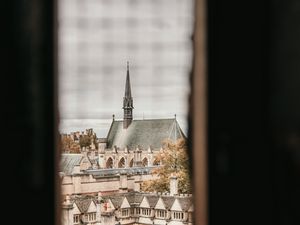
(143, 133)
(68, 162)
(83, 204)
(145, 203)
(168, 201)
(134, 198)
(125, 203)
(160, 204)
(152, 199)
(116, 201)
(185, 203)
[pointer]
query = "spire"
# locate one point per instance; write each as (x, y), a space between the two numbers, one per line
(127, 87)
(127, 102)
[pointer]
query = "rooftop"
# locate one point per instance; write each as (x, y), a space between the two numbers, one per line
(143, 133)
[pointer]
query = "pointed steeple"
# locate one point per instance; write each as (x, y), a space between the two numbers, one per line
(127, 87)
(127, 102)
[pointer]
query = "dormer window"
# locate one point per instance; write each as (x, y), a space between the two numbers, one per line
(177, 215)
(160, 213)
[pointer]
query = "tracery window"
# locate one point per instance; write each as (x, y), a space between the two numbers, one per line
(145, 162)
(109, 163)
(121, 163)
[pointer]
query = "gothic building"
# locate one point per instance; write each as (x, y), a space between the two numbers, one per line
(114, 167)
(135, 141)
(129, 148)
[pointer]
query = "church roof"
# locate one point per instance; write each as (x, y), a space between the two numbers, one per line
(68, 162)
(143, 133)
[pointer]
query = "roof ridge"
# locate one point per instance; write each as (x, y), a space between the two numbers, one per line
(120, 120)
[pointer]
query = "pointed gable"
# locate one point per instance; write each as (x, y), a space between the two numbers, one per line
(83, 204)
(176, 206)
(92, 207)
(145, 203)
(143, 133)
(185, 203)
(116, 201)
(125, 204)
(152, 200)
(168, 201)
(108, 203)
(75, 209)
(160, 204)
(134, 198)
(85, 163)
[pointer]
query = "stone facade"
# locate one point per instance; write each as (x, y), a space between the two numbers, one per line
(101, 184)
(128, 208)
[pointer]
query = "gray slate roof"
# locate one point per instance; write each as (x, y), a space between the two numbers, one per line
(152, 199)
(134, 198)
(83, 202)
(143, 133)
(68, 162)
(185, 203)
(117, 200)
(168, 201)
(83, 205)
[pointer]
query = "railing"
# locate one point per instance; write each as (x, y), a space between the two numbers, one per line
(119, 171)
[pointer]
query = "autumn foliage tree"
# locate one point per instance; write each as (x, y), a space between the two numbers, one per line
(69, 145)
(174, 161)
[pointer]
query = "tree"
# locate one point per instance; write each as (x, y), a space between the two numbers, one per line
(66, 142)
(84, 141)
(174, 161)
(69, 145)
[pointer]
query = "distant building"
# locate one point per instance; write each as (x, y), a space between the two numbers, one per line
(101, 185)
(130, 148)
(128, 208)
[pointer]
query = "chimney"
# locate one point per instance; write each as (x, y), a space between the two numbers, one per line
(123, 186)
(173, 185)
(67, 199)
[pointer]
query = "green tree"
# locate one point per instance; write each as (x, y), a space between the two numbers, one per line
(174, 161)
(84, 141)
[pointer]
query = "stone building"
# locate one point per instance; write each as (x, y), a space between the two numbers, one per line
(129, 148)
(133, 208)
(101, 185)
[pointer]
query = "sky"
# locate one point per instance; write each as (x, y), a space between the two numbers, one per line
(98, 37)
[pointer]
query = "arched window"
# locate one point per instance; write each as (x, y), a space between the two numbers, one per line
(109, 163)
(131, 163)
(145, 162)
(155, 162)
(121, 163)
